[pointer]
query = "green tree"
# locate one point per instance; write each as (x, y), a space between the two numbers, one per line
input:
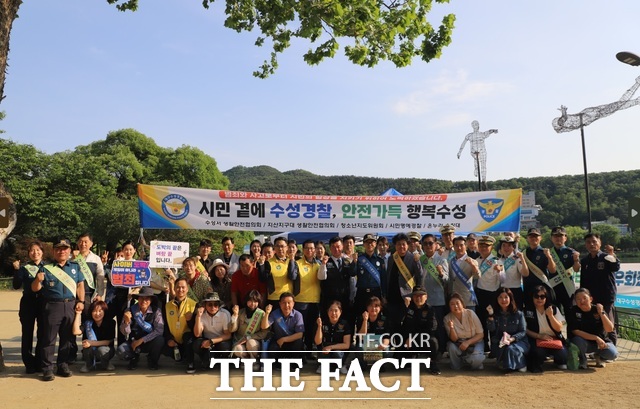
(377, 30)
(190, 167)
(575, 237)
(23, 171)
(608, 234)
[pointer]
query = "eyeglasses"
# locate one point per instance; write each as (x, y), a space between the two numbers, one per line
(428, 243)
(540, 296)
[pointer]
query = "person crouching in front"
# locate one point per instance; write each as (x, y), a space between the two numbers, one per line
(143, 325)
(211, 329)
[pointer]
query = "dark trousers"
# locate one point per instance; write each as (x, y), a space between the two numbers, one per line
(219, 350)
(185, 348)
(486, 298)
(57, 318)
(610, 309)
(117, 307)
(153, 349)
(362, 298)
(93, 355)
(276, 351)
(441, 334)
(537, 356)
(430, 352)
(310, 313)
(29, 314)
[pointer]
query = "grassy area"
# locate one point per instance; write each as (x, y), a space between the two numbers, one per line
(629, 326)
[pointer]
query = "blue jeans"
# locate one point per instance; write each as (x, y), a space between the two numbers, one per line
(587, 347)
(513, 356)
(473, 356)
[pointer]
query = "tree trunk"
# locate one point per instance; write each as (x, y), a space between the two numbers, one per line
(8, 13)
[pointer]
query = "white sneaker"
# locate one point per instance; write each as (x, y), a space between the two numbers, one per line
(110, 367)
(319, 370)
(523, 369)
(599, 362)
(84, 369)
(562, 367)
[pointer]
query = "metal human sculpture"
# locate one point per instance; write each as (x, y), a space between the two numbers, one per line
(478, 151)
(570, 122)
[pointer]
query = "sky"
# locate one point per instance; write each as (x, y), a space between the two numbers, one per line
(79, 69)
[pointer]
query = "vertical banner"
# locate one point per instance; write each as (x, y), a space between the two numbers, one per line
(165, 207)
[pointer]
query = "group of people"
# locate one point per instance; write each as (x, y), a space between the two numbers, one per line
(462, 296)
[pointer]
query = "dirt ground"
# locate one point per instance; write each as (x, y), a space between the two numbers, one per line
(171, 387)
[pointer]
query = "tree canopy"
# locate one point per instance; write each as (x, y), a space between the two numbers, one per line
(94, 187)
(375, 30)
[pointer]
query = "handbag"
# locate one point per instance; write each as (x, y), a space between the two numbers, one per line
(554, 343)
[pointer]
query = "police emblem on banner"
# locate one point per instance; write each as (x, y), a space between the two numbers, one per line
(490, 208)
(175, 206)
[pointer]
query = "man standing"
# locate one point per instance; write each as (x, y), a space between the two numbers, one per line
(382, 246)
(335, 283)
(308, 298)
(598, 275)
(567, 263)
(279, 273)
(371, 275)
(62, 286)
(491, 277)
(246, 280)
(404, 273)
(414, 243)
(94, 280)
(540, 264)
(204, 261)
(228, 256)
(91, 267)
(435, 279)
(472, 246)
(447, 233)
(463, 270)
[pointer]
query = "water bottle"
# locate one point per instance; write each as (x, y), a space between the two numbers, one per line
(176, 354)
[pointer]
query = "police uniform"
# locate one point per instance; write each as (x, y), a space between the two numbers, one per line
(58, 314)
(333, 334)
(367, 286)
(563, 298)
(539, 259)
(597, 274)
(418, 321)
(336, 285)
(29, 313)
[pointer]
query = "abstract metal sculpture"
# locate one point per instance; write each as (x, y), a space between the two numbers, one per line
(478, 151)
(567, 123)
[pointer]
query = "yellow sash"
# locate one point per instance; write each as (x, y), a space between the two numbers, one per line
(563, 276)
(63, 277)
(86, 271)
(535, 269)
(32, 270)
(404, 270)
(200, 268)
